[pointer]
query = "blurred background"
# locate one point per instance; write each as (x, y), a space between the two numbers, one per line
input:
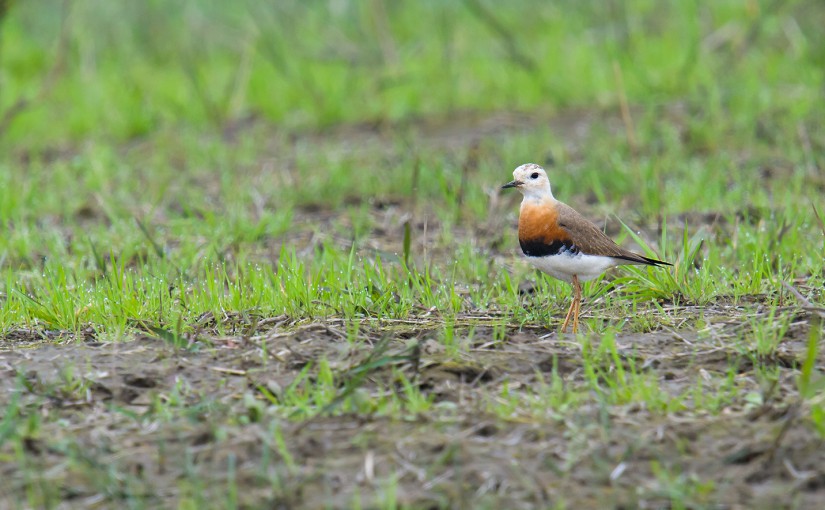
(72, 70)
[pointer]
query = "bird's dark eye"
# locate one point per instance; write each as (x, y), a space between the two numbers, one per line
(534, 175)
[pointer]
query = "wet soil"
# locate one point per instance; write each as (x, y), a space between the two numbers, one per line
(147, 421)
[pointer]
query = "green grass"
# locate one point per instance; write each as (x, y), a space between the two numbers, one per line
(77, 253)
(195, 173)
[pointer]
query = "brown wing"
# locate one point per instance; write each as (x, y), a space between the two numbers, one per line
(590, 240)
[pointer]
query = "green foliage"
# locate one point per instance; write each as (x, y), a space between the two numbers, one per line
(130, 70)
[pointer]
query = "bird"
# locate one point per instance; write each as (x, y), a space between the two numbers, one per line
(559, 241)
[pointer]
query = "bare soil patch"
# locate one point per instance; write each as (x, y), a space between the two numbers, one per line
(147, 420)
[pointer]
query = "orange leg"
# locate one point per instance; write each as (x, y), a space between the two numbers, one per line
(567, 317)
(573, 311)
(577, 300)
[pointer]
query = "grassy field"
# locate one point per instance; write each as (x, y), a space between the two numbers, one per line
(257, 256)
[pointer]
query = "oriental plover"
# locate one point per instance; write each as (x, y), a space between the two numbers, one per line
(561, 242)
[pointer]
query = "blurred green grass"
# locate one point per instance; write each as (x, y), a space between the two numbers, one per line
(129, 69)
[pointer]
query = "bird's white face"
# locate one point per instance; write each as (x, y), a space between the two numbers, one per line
(531, 180)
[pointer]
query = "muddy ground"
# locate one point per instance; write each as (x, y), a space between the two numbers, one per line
(93, 452)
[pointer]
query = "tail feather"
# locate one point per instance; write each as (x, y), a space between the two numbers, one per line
(657, 263)
(635, 258)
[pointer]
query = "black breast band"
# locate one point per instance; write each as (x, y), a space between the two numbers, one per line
(538, 248)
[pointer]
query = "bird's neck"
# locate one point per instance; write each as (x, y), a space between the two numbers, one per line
(538, 199)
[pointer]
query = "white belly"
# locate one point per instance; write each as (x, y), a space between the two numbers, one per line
(564, 266)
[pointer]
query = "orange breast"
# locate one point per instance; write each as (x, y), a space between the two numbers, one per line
(540, 223)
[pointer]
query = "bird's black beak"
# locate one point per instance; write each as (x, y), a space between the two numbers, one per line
(512, 184)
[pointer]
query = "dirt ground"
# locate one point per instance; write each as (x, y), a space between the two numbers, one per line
(759, 456)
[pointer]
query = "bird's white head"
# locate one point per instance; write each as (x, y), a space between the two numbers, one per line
(531, 180)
